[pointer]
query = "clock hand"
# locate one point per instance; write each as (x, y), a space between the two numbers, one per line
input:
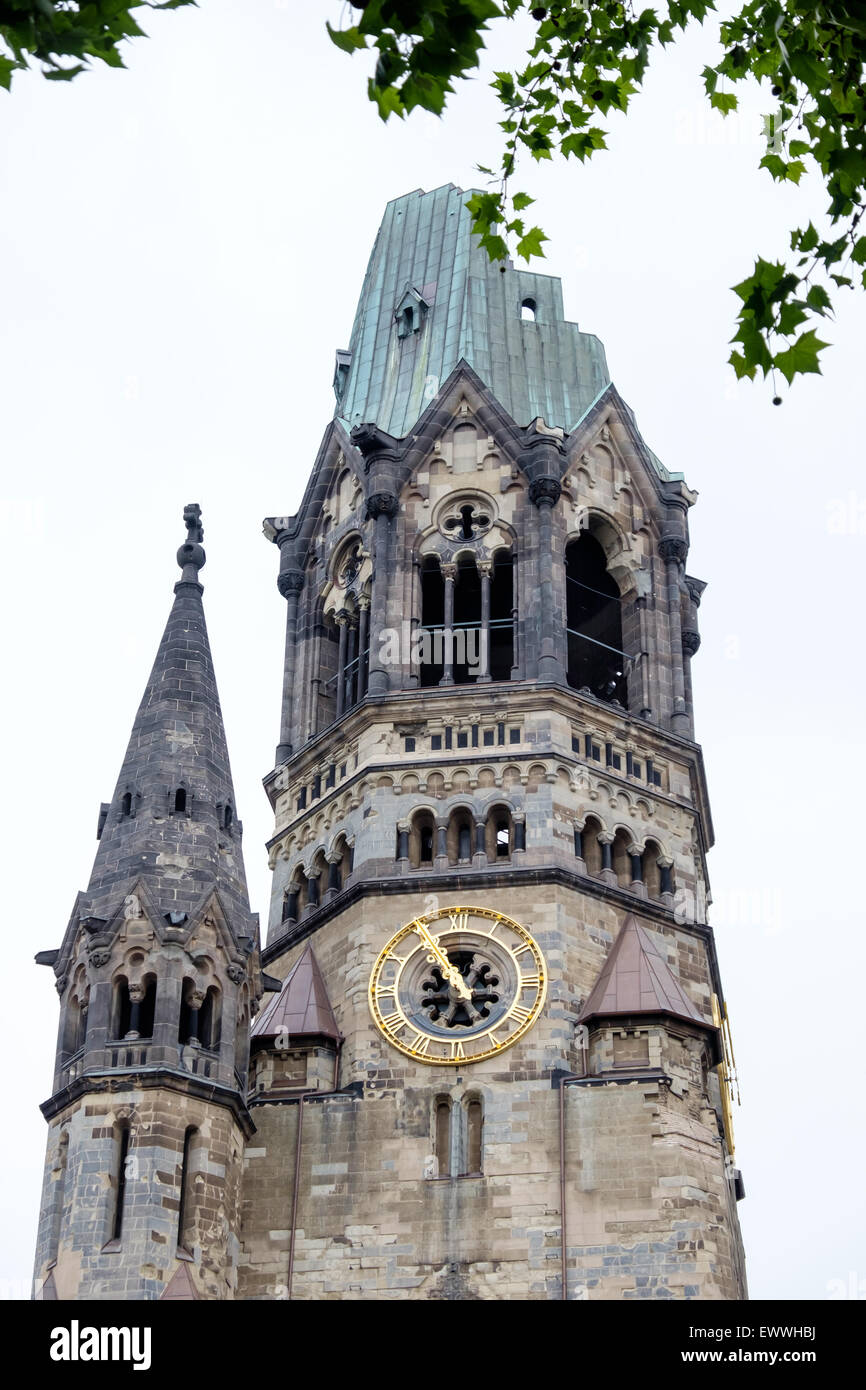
(452, 974)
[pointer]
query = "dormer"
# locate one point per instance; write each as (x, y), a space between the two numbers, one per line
(410, 312)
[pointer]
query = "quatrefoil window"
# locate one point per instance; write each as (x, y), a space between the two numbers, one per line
(446, 1006)
(349, 569)
(467, 523)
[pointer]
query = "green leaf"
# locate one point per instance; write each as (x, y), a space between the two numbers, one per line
(521, 201)
(801, 357)
(723, 101)
(530, 245)
(819, 300)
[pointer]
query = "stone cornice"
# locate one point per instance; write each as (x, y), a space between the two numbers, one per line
(118, 1080)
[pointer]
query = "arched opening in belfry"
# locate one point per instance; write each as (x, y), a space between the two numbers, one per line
(596, 660)
(422, 839)
(501, 636)
(432, 619)
(467, 621)
(651, 870)
(591, 847)
(329, 645)
(621, 859)
(529, 310)
(499, 834)
(209, 1019)
(459, 836)
(133, 1008)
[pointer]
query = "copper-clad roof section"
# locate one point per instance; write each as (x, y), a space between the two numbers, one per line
(302, 1007)
(180, 1287)
(635, 979)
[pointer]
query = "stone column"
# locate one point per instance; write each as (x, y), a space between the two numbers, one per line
(635, 854)
(441, 844)
(136, 995)
(485, 568)
(290, 582)
(673, 550)
(403, 845)
(351, 673)
(363, 626)
(290, 906)
(480, 856)
(382, 507)
(605, 839)
(544, 493)
(343, 624)
(519, 834)
(333, 877)
(313, 889)
(449, 574)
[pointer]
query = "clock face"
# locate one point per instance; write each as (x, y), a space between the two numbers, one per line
(458, 985)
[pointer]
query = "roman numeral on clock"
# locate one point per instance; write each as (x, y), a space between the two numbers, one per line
(394, 1020)
(420, 1044)
(459, 920)
(519, 1014)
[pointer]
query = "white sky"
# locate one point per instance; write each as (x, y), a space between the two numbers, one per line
(183, 246)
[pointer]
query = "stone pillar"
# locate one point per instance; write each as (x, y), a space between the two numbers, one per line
(136, 995)
(334, 884)
(673, 550)
(382, 507)
(635, 855)
(403, 843)
(485, 567)
(449, 574)
(290, 906)
(441, 844)
(290, 582)
(351, 672)
(480, 856)
(605, 839)
(343, 624)
(544, 493)
(666, 884)
(519, 834)
(313, 890)
(363, 625)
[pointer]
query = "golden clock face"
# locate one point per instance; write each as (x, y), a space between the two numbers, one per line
(458, 985)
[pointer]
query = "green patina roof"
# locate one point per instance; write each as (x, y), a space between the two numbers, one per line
(425, 259)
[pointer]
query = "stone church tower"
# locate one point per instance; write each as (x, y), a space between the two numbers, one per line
(490, 1058)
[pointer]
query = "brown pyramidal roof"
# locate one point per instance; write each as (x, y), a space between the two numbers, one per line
(635, 979)
(180, 1286)
(302, 1006)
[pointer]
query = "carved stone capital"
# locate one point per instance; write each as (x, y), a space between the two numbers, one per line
(545, 491)
(235, 973)
(691, 642)
(99, 957)
(290, 582)
(673, 548)
(136, 993)
(382, 504)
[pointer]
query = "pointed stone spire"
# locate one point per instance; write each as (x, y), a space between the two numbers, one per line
(172, 822)
(302, 1007)
(636, 980)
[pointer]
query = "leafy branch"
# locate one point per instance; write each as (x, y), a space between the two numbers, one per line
(65, 35)
(588, 59)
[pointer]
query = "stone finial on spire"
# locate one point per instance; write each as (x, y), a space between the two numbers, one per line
(191, 554)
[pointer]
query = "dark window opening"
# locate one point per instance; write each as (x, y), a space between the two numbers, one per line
(432, 619)
(596, 660)
(528, 310)
(180, 802)
(502, 618)
(184, 1213)
(463, 740)
(489, 737)
(120, 1184)
(467, 620)
(410, 745)
(436, 742)
(126, 804)
(442, 1136)
(474, 1127)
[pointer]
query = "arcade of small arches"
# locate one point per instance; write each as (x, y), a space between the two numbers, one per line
(326, 875)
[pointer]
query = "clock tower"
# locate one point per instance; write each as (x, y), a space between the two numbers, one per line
(496, 1068)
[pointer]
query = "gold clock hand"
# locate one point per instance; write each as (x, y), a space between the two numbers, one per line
(450, 971)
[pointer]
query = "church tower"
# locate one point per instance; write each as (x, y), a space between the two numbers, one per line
(496, 1068)
(158, 975)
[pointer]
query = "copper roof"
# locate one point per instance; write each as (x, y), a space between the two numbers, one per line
(635, 979)
(302, 1007)
(180, 1287)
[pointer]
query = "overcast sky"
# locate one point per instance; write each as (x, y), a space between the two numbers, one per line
(183, 246)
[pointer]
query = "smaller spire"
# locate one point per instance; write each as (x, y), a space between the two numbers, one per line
(190, 555)
(180, 1287)
(635, 979)
(302, 1007)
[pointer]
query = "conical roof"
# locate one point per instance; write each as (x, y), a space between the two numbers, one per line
(635, 979)
(180, 1287)
(172, 820)
(302, 1007)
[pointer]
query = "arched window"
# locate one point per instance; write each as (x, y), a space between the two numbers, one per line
(528, 310)
(209, 1020)
(75, 1026)
(118, 1181)
(126, 804)
(651, 871)
(422, 839)
(431, 667)
(133, 1008)
(442, 1135)
(459, 837)
(591, 846)
(193, 1156)
(121, 1008)
(180, 802)
(473, 1136)
(596, 660)
(467, 621)
(499, 834)
(408, 322)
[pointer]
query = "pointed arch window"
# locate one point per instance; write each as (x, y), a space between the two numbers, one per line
(596, 660)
